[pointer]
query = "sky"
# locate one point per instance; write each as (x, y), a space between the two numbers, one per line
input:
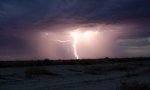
(74, 29)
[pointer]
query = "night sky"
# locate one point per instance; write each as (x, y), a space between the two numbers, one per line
(41, 28)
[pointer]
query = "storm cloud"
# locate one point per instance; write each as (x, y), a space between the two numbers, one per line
(20, 19)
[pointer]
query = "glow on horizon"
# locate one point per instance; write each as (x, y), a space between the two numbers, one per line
(79, 43)
(76, 36)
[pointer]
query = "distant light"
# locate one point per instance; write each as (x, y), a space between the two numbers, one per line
(46, 34)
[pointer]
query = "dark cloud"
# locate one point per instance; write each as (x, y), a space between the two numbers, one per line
(19, 16)
(134, 42)
(80, 11)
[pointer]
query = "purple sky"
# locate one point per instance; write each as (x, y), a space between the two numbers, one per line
(33, 28)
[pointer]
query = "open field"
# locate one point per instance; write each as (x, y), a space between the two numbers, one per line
(76, 75)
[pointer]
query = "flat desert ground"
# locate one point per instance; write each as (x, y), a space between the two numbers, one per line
(102, 76)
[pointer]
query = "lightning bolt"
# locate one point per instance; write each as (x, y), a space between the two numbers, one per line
(76, 36)
(75, 47)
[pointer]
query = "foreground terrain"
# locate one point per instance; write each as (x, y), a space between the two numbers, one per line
(130, 75)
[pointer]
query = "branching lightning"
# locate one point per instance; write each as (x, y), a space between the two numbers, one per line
(79, 36)
(76, 36)
(61, 41)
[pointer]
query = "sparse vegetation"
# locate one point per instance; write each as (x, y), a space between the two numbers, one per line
(132, 74)
(75, 70)
(24, 63)
(106, 69)
(134, 86)
(71, 74)
(125, 68)
(147, 70)
(94, 70)
(36, 71)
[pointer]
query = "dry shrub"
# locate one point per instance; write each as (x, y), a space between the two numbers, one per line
(94, 70)
(36, 71)
(134, 86)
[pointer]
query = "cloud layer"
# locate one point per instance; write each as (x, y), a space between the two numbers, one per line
(20, 18)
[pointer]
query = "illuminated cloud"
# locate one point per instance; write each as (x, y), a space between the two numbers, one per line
(23, 21)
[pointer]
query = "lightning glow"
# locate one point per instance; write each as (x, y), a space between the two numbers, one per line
(75, 36)
(79, 42)
(80, 36)
(61, 41)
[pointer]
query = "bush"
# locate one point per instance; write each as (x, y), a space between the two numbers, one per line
(35, 71)
(94, 70)
(134, 86)
(124, 68)
(132, 74)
